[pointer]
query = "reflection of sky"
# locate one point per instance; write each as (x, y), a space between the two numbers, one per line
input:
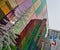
(53, 7)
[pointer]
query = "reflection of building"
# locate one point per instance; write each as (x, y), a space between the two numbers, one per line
(54, 39)
(15, 16)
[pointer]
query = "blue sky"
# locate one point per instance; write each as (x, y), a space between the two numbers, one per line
(53, 7)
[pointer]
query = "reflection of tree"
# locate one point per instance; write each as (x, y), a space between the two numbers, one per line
(6, 39)
(54, 33)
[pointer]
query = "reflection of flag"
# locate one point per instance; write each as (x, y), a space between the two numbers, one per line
(53, 43)
(53, 40)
